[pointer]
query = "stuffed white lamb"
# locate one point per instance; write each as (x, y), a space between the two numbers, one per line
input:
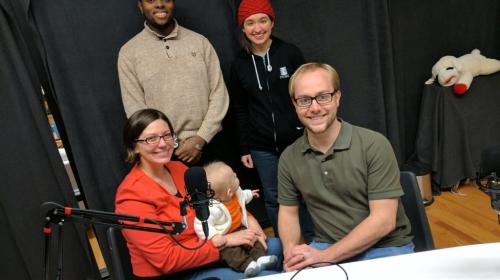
(459, 72)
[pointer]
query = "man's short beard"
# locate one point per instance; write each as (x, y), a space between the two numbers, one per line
(157, 26)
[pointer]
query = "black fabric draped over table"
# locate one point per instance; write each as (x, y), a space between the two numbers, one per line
(453, 130)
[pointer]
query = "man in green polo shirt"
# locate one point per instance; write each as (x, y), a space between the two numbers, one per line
(348, 177)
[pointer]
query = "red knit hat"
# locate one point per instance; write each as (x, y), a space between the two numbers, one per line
(252, 7)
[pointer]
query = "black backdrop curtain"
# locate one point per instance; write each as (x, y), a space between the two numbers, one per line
(354, 37)
(32, 171)
(384, 51)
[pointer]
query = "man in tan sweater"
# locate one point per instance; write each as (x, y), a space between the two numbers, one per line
(175, 70)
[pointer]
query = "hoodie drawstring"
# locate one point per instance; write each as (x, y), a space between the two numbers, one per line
(256, 73)
(269, 67)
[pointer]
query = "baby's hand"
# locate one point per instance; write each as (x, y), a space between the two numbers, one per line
(255, 193)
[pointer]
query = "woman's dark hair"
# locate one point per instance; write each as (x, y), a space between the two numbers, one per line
(245, 43)
(135, 126)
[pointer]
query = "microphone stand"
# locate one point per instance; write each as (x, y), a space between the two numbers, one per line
(492, 188)
(58, 215)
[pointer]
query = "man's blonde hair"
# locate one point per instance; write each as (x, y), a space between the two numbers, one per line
(310, 67)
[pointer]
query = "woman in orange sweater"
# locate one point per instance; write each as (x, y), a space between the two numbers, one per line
(154, 188)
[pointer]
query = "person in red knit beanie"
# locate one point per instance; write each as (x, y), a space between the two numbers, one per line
(251, 7)
(265, 117)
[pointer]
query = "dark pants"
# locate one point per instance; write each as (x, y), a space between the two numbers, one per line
(238, 258)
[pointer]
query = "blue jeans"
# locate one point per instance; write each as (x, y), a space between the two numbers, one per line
(266, 164)
(372, 253)
(273, 248)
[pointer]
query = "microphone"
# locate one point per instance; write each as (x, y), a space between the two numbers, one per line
(195, 179)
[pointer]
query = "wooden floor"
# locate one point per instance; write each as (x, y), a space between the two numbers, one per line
(462, 217)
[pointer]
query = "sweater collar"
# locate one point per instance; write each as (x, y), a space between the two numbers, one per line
(172, 34)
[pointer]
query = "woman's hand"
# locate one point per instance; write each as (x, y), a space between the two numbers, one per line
(241, 237)
(247, 161)
(219, 240)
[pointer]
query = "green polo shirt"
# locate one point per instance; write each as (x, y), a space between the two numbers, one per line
(336, 186)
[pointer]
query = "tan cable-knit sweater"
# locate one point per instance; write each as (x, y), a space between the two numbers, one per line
(179, 75)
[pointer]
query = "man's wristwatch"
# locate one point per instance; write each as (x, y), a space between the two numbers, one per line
(199, 147)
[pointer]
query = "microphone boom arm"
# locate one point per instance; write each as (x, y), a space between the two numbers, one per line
(59, 212)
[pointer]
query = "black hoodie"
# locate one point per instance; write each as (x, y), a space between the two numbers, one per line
(265, 116)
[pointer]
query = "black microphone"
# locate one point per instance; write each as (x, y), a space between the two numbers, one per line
(197, 188)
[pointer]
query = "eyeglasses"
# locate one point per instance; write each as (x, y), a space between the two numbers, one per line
(152, 140)
(323, 98)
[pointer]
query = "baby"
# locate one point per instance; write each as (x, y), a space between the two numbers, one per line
(228, 214)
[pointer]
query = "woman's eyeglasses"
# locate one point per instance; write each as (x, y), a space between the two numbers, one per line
(152, 140)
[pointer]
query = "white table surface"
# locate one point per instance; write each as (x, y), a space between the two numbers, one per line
(480, 261)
